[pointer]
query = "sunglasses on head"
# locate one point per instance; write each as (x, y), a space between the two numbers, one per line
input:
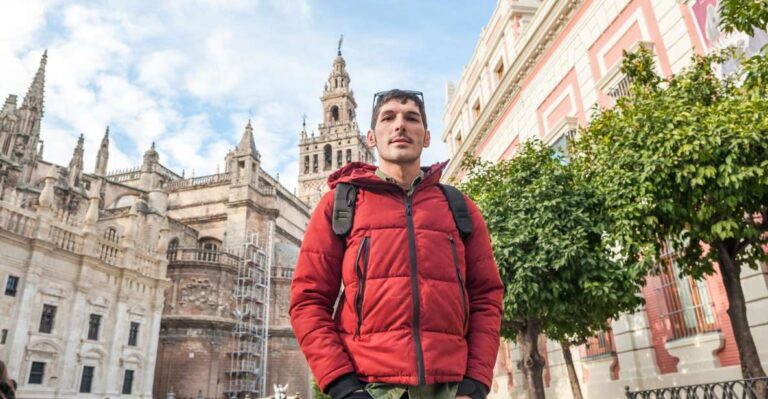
(380, 95)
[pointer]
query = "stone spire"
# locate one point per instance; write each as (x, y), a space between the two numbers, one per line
(247, 144)
(103, 155)
(24, 148)
(303, 134)
(244, 163)
(33, 101)
(76, 163)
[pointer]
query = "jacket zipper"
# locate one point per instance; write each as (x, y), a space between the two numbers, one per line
(460, 280)
(361, 271)
(415, 290)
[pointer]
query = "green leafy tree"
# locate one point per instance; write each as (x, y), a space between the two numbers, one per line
(683, 163)
(317, 393)
(546, 229)
(743, 15)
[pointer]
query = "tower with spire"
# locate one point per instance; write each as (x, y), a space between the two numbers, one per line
(338, 141)
(20, 129)
(102, 157)
(244, 163)
(76, 164)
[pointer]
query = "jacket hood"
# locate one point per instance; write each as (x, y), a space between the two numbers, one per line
(363, 175)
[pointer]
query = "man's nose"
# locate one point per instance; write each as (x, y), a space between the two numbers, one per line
(399, 122)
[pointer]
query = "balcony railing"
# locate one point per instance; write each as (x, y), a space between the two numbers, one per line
(181, 255)
(219, 178)
(753, 388)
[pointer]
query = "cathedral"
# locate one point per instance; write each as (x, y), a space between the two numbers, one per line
(141, 282)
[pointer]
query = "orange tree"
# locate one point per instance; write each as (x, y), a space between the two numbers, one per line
(683, 161)
(561, 277)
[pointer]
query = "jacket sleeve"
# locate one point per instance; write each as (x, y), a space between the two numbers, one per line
(486, 293)
(314, 289)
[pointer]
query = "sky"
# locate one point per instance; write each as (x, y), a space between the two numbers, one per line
(188, 74)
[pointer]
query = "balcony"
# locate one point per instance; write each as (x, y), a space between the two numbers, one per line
(199, 255)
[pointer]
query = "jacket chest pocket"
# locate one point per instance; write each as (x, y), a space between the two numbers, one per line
(459, 281)
(361, 272)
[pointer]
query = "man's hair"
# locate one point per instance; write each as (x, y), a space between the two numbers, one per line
(403, 96)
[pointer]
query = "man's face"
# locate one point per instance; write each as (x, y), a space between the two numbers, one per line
(399, 135)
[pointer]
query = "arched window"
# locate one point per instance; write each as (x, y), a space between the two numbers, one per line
(335, 113)
(339, 161)
(172, 247)
(111, 234)
(349, 156)
(327, 157)
(306, 164)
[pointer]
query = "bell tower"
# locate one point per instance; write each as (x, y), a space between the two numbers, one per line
(338, 141)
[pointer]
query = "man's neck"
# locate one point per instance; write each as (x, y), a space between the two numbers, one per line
(404, 175)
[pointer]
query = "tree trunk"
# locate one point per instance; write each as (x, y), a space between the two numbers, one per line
(737, 311)
(572, 376)
(532, 362)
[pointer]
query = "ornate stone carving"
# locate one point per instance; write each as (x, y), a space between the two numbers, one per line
(198, 292)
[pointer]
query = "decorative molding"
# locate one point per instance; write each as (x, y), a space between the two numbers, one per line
(54, 290)
(99, 301)
(541, 38)
(137, 310)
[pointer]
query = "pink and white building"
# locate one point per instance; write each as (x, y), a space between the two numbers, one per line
(538, 71)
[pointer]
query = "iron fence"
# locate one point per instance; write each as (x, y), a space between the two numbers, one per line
(752, 388)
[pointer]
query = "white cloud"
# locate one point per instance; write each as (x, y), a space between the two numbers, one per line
(187, 74)
(220, 71)
(159, 71)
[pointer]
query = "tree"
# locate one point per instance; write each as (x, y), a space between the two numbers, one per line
(743, 15)
(546, 229)
(682, 163)
(317, 393)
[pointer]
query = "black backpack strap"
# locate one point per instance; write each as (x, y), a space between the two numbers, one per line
(344, 208)
(459, 209)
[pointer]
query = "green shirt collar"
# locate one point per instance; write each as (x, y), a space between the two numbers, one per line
(383, 176)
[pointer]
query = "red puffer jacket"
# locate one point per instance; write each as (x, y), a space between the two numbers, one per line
(421, 305)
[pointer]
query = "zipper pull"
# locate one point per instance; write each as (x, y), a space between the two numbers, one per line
(408, 207)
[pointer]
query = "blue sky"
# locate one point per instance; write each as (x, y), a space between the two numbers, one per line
(188, 74)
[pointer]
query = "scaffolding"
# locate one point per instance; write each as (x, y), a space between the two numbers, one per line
(250, 334)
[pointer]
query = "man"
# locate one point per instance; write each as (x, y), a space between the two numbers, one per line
(420, 313)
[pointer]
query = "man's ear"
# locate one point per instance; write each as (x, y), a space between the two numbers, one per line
(426, 139)
(370, 139)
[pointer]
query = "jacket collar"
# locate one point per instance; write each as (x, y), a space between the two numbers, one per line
(364, 175)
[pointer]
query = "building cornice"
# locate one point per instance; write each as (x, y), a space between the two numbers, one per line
(547, 24)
